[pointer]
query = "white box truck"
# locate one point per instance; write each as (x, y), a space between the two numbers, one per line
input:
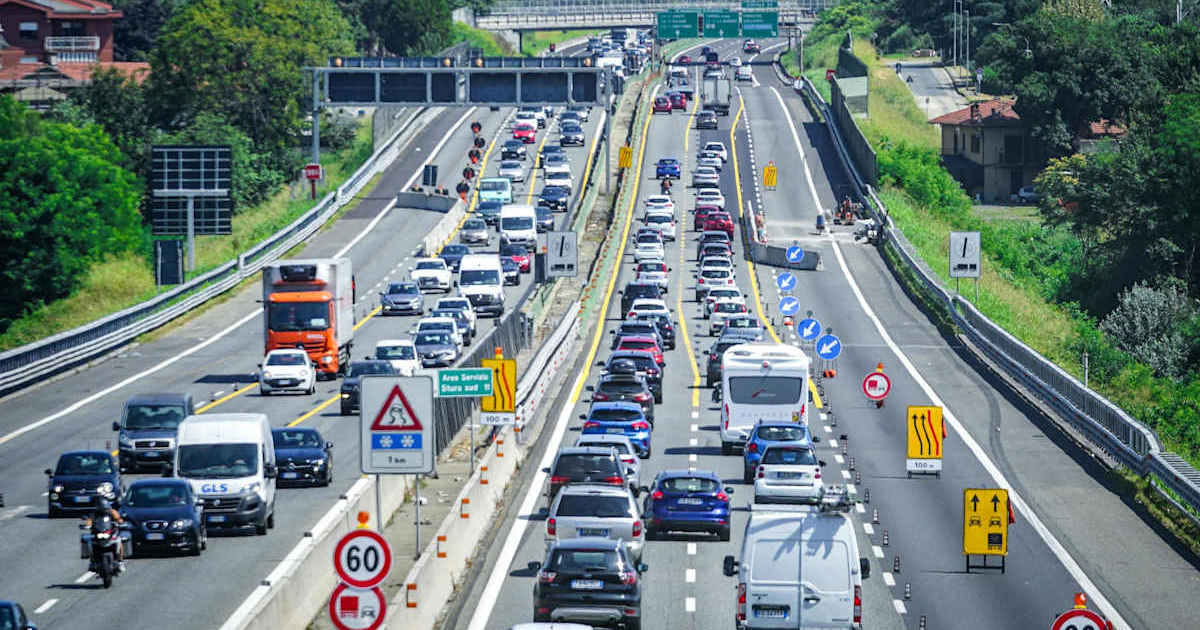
(310, 304)
(229, 459)
(718, 95)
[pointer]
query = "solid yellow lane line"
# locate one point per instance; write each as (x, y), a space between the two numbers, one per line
(315, 410)
(373, 313)
(687, 342)
(533, 171)
(226, 398)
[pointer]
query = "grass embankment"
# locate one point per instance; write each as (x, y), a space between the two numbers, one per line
(536, 42)
(492, 45)
(123, 281)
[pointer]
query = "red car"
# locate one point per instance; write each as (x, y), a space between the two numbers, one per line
(662, 104)
(701, 213)
(518, 254)
(525, 132)
(643, 344)
(719, 221)
(751, 47)
(678, 100)
(685, 59)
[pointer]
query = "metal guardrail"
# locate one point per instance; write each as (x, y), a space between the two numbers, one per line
(31, 362)
(613, 6)
(1106, 427)
(633, 16)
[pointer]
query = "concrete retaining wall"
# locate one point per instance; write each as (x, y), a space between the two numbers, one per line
(441, 232)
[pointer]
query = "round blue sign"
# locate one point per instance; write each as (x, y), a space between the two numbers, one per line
(785, 281)
(789, 305)
(808, 328)
(795, 254)
(829, 347)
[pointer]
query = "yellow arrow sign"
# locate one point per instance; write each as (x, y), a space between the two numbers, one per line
(770, 175)
(926, 438)
(504, 386)
(985, 522)
(625, 157)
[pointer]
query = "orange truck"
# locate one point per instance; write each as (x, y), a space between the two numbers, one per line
(310, 304)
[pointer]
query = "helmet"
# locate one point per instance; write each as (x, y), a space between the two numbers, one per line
(103, 504)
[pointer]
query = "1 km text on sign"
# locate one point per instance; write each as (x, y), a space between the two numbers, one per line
(397, 425)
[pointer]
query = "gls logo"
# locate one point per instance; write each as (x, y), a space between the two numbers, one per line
(214, 488)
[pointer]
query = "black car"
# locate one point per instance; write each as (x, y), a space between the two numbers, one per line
(78, 479)
(556, 198)
(639, 290)
(402, 297)
(572, 134)
(353, 381)
(146, 432)
(453, 255)
(635, 328)
(164, 515)
(548, 150)
(513, 150)
(303, 457)
(624, 385)
(460, 320)
(706, 119)
(545, 218)
(664, 326)
(585, 464)
(13, 616)
(712, 368)
(646, 365)
(489, 211)
(589, 579)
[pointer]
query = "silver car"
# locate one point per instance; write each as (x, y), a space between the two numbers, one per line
(595, 510)
(706, 176)
(475, 232)
(625, 452)
(514, 170)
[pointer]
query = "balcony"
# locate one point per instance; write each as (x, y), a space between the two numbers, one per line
(90, 43)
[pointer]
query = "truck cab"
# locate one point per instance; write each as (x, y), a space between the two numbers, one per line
(147, 429)
(310, 304)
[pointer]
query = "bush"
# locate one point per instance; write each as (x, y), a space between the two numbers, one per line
(1151, 322)
(337, 131)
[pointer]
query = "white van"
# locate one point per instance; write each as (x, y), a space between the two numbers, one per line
(799, 569)
(518, 224)
(229, 459)
(481, 280)
(761, 381)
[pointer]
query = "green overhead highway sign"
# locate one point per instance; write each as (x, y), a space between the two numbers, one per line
(677, 24)
(722, 24)
(760, 4)
(760, 24)
(464, 383)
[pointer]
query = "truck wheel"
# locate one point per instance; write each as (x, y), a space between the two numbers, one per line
(723, 534)
(726, 448)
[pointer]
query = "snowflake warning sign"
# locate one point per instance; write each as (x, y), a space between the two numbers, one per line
(397, 425)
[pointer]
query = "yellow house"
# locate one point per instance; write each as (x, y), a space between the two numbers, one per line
(988, 150)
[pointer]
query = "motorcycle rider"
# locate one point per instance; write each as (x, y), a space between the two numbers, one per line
(104, 508)
(665, 186)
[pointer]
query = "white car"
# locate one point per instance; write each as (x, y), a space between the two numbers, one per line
(514, 170)
(559, 178)
(647, 306)
(722, 293)
(459, 303)
(723, 310)
(710, 279)
(431, 274)
(718, 262)
(659, 203)
(401, 353)
(287, 370)
(664, 222)
(648, 247)
(655, 271)
(710, 158)
(710, 197)
(705, 176)
(715, 147)
(526, 116)
(744, 73)
(736, 62)
(788, 473)
(440, 324)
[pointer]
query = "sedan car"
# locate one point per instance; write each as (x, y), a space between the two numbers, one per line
(78, 478)
(514, 170)
(453, 255)
(648, 247)
(518, 254)
(706, 119)
(549, 151)
(352, 384)
(705, 176)
(583, 111)
(710, 158)
(751, 46)
(639, 290)
(401, 353)
(525, 132)
(513, 150)
(687, 501)
(560, 178)
(598, 510)
(659, 203)
(571, 135)
(401, 298)
(303, 457)
(474, 231)
(12, 615)
(430, 274)
(662, 104)
(655, 271)
(678, 100)
(667, 167)
(545, 218)
(710, 197)
(620, 418)
(719, 221)
(556, 198)
(717, 148)
(664, 223)
(287, 370)
(645, 344)
(788, 473)
(624, 385)
(589, 579)
(436, 348)
(163, 515)
(766, 434)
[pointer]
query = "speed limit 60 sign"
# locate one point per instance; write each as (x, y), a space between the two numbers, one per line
(362, 558)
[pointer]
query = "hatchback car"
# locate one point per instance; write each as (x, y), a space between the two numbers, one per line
(648, 247)
(710, 197)
(788, 473)
(663, 324)
(518, 254)
(544, 218)
(646, 343)
(592, 580)
(647, 367)
(287, 370)
(513, 150)
(512, 271)
(474, 231)
(709, 158)
(624, 385)
(626, 452)
(706, 119)
(453, 255)
(721, 311)
(560, 178)
(723, 293)
(664, 222)
(662, 104)
(709, 278)
(620, 418)
(744, 73)
(659, 203)
(717, 148)
(525, 132)
(436, 348)
(352, 384)
(655, 271)
(637, 291)
(571, 135)
(667, 167)
(678, 100)
(719, 222)
(401, 298)
(548, 154)
(514, 170)
(556, 198)
(766, 434)
(303, 457)
(746, 325)
(687, 501)
(489, 211)
(646, 306)
(584, 465)
(401, 353)
(602, 511)
(164, 515)
(705, 177)
(700, 213)
(78, 479)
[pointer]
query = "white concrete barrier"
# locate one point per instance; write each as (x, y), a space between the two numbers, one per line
(444, 229)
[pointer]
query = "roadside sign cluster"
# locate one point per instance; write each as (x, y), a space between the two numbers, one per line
(362, 560)
(719, 22)
(397, 425)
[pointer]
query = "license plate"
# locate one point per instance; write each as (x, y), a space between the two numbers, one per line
(216, 518)
(154, 536)
(771, 612)
(691, 502)
(291, 475)
(789, 475)
(80, 499)
(616, 430)
(150, 454)
(592, 531)
(284, 382)
(587, 585)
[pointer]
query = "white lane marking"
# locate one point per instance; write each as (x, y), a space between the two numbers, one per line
(16, 511)
(899, 606)
(877, 550)
(45, 494)
(695, 414)
(87, 575)
(693, 442)
(869, 529)
(691, 549)
(860, 508)
(828, 429)
(888, 579)
(689, 576)
(850, 489)
(689, 604)
(220, 335)
(845, 474)
(1072, 567)
(832, 443)
(692, 457)
(695, 427)
(839, 459)
(45, 606)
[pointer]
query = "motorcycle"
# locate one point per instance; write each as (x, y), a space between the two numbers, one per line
(665, 186)
(98, 545)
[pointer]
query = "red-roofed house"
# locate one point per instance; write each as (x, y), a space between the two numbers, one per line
(49, 45)
(988, 150)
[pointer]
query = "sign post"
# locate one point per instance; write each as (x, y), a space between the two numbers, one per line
(313, 173)
(964, 258)
(926, 435)
(362, 559)
(500, 407)
(986, 516)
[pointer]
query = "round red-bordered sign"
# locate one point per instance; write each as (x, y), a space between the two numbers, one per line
(362, 558)
(1079, 619)
(352, 609)
(876, 385)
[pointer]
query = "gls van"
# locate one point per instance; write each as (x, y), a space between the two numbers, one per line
(800, 568)
(229, 458)
(481, 280)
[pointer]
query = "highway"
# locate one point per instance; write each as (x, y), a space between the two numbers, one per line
(1071, 534)
(208, 356)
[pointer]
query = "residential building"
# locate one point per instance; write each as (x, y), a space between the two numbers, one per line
(987, 148)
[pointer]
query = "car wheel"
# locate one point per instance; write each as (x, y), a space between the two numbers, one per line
(312, 388)
(658, 398)
(52, 512)
(204, 541)
(260, 530)
(271, 520)
(539, 618)
(194, 550)
(263, 391)
(747, 475)
(726, 448)
(651, 534)
(633, 624)
(723, 534)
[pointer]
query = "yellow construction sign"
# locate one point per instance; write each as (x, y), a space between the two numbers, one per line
(926, 439)
(625, 157)
(986, 515)
(770, 175)
(500, 407)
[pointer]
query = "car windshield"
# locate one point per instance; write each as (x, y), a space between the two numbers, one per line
(580, 560)
(431, 339)
(615, 415)
(456, 250)
(489, 207)
(395, 353)
(286, 358)
(431, 264)
(510, 164)
(370, 367)
(446, 326)
(513, 250)
(474, 224)
(652, 266)
(402, 288)
(594, 506)
(658, 218)
(293, 316)
(636, 329)
(218, 460)
(493, 185)
(156, 495)
(84, 464)
(572, 129)
(781, 434)
(154, 416)
(789, 456)
(626, 385)
(581, 464)
(715, 273)
(766, 390)
(296, 438)
(474, 277)
(730, 307)
(649, 238)
(516, 223)
(689, 484)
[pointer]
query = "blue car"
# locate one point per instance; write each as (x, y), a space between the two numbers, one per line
(79, 478)
(666, 167)
(687, 501)
(619, 418)
(766, 434)
(13, 616)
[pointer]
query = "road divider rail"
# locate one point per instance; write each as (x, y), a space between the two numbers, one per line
(444, 228)
(1107, 428)
(33, 362)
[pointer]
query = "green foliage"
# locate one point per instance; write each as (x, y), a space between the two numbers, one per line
(408, 27)
(1151, 323)
(118, 104)
(134, 34)
(255, 176)
(476, 38)
(65, 202)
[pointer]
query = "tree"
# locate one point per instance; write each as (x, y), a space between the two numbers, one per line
(117, 103)
(255, 174)
(408, 27)
(65, 202)
(1152, 323)
(135, 33)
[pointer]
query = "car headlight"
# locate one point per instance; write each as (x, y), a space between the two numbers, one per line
(317, 463)
(123, 440)
(182, 523)
(252, 488)
(268, 375)
(104, 488)
(58, 488)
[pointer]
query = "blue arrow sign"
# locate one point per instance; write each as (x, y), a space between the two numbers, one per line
(785, 281)
(795, 254)
(829, 347)
(808, 328)
(789, 305)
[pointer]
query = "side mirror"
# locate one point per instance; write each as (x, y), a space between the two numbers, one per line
(329, 445)
(816, 439)
(821, 463)
(534, 566)
(729, 567)
(644, 489)
(49, 472)
(643, 567)
(583, 416)
(269, 471)
(260, 366)
(630, 471)
(590, 388)
(546, 470)
(116, 426)
(599, 364)
(864, 566)
(728, 489)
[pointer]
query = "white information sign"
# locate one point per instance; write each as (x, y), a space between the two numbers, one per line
(397, 424)
(964, 255)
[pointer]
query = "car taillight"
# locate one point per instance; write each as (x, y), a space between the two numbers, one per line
(641, 397)
(741, 602)
(546, 577)
(628, 459)
(590, 425)
(701, 281)
(724, 498)
(657, 495)
(857, 604)
(817, 475)
(628, 578)
(641, 426)
(551, 527)
(599, 396)
(631, 314)
(558, 481)
(614, 480)
(637, 528)
(761, 472)
(752, 448)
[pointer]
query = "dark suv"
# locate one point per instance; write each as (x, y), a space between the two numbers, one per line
(712, 367)
(146, 432)
(513, 150)
(352, 384)
(78, 479)
(623, 384)
(584, 464)
(646, 365)
(639, 290)
(590, 580)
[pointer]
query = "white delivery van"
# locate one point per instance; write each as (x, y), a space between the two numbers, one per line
(761, 381)
(799, 568)
(518, 224)
(229, 458)
(481, 280)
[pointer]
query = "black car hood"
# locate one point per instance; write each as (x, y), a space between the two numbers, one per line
(165, 513)
(85, 479)
(298, 454)
(351, 381)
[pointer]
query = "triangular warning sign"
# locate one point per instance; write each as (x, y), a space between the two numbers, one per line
(396, 414)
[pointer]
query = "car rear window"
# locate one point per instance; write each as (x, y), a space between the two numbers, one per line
(578, 560)
(620, 447)
(789, 456)
(689, 484)
(580, 464)
(595, 506)
(615, 415)
(780, 434)
(638, 345)
(766, 390)
(715, 273)
(641, 329)
(621, 387)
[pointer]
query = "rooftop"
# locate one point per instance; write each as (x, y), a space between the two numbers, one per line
(983, 114)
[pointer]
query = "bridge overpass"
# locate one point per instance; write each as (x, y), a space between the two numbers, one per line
(537, 15)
